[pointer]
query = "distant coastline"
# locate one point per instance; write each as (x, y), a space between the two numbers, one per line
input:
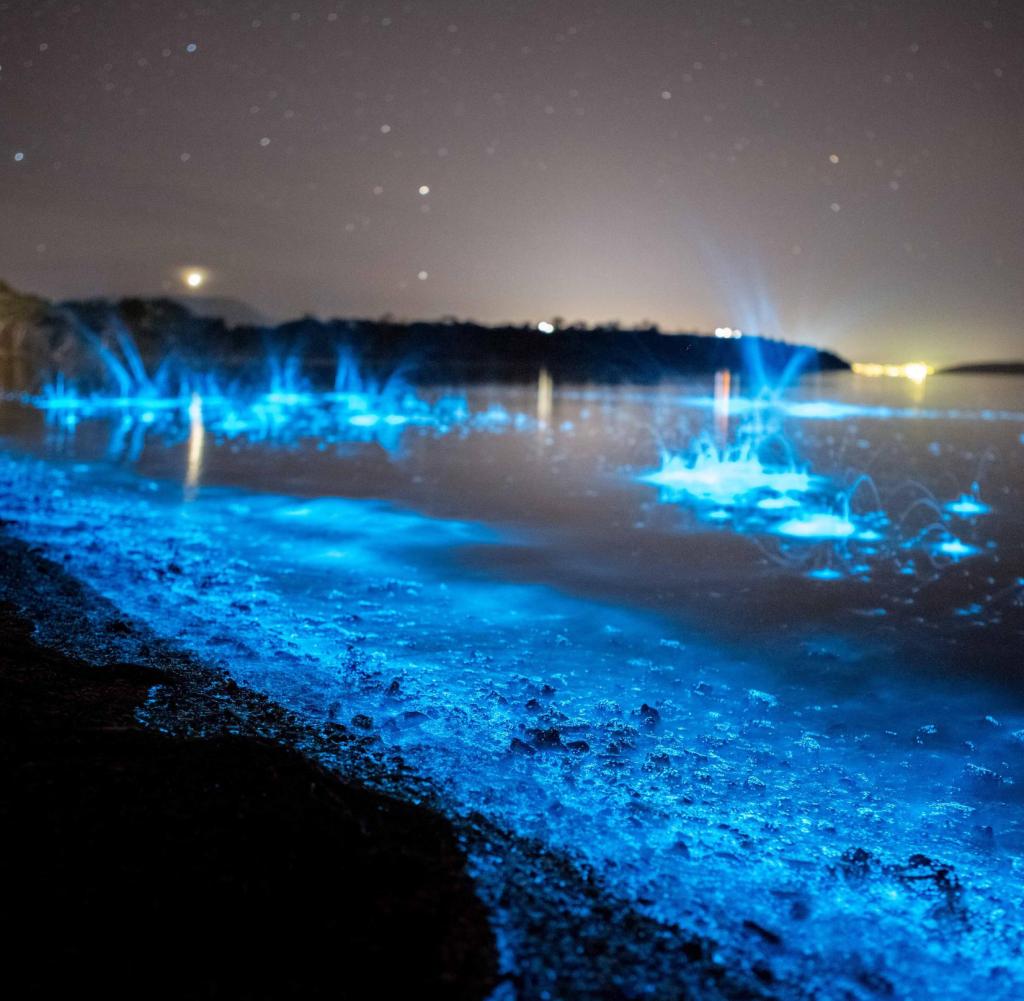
(448, 350)
(985, 368)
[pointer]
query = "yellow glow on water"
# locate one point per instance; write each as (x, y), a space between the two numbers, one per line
(545, 398)
(915, 371)
(196, 446)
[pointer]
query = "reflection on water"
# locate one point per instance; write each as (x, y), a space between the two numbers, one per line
(196, 443)
(753, 661)
(545, 395)
(723, 402)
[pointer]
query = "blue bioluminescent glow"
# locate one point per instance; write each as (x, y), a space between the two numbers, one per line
(832, 410)
(825, 573)
(829, 527)
(686, 771)
(955, 548)
(817, 525)
(731, 476)
(512, 648)
(779, 503)
(282, 408)
(967, 506)
(720, 480)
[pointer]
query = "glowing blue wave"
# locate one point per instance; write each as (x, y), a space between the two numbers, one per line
(831, 410)
(283, 410)
(728, 479)
(827, 530)
(686, 777)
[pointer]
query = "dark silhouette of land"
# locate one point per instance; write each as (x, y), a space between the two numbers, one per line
(442, 351)
(986, 368)
(234, 312)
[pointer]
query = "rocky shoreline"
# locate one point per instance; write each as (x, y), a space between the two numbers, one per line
(224, 865)
(177, 832)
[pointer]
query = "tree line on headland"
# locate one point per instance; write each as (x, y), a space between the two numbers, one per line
(442, 351)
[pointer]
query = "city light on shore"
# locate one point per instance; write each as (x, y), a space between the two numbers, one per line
(916, 371)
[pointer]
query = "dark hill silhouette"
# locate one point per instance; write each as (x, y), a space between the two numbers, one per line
(986, 368)
(443, 351)
(234, 312)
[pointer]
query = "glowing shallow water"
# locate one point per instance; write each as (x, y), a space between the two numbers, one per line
(720, 782)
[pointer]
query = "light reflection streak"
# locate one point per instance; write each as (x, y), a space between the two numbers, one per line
(196, 446)
(723, 394)
(545, 398)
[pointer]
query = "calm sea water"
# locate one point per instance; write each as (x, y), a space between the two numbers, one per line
(803, 639)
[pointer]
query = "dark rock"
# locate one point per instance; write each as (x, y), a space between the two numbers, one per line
(517, 746)
(922, 872)
(856, 862)
(657, 761)
(800, 910)
(766, 933)
(546, 739)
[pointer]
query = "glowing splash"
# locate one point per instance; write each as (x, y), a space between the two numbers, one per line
(452, 670)
(817, 525)
(724, 481)
(829, 527)
(967, 506)
(825, 573)
(281, 407)
(730, 477)
(956, 549)
(336, 607)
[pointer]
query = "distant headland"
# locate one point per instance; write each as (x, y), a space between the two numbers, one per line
(436, 351)
(986, 368)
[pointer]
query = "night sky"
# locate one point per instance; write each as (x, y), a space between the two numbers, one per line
(847, 174)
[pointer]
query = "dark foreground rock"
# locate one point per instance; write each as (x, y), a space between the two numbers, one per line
(143, 864)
